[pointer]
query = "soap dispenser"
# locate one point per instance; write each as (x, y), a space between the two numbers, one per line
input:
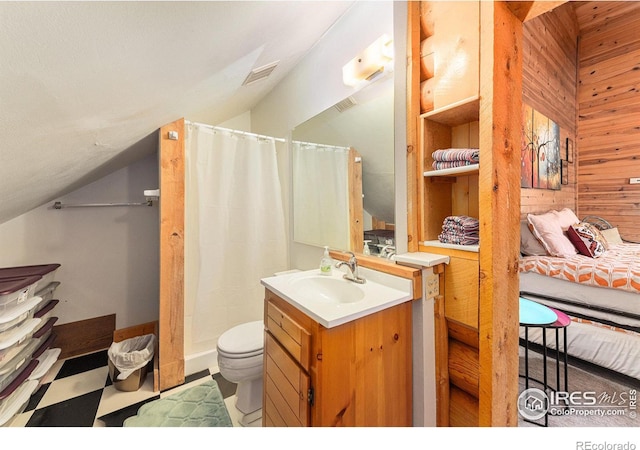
(366, 250)
(326, 262)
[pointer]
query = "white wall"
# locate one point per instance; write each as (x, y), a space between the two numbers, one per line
(109, 255)
(315, 85)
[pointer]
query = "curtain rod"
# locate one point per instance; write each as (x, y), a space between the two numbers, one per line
(59, 205)
(243, 133)
(321, 145)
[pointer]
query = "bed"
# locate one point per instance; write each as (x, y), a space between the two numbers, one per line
(601, 295)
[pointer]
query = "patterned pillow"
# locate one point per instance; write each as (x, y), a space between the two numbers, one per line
(587, 239)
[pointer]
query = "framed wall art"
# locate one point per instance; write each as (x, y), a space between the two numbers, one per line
(569, 156)
(540, 153)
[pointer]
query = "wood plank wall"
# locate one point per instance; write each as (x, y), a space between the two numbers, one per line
(609, 107)
(549, 82)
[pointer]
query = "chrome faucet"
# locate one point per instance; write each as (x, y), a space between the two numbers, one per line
(387, 251)
(352, 264)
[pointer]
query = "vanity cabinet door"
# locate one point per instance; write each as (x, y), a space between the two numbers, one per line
(286, 388)
(290, 334)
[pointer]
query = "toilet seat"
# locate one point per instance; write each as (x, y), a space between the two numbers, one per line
(242, 341)
(239, 355)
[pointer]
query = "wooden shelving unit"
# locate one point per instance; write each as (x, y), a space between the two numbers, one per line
(475, 331)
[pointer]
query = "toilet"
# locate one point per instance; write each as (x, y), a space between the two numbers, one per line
(240, 361)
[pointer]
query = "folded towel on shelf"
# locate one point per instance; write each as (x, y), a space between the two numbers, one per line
(461, 230)
(437, 165)
(455, 157)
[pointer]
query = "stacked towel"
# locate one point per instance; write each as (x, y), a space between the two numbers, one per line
(462, 230)
(455, 157)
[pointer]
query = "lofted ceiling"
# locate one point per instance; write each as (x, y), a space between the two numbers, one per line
(85, 85)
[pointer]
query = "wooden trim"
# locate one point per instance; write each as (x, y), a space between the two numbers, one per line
(499, 186)
(171, 314)
(442, 365)
(386, 266)
(85, 336)
(134, 331)
(526, 10)
(414, 153)
(356, 209)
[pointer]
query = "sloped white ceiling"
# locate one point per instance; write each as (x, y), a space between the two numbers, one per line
(85, 85)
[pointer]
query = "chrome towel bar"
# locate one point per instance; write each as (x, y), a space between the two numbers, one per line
(59, 205)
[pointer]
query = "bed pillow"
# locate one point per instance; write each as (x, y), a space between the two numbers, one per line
(612, 236)
(566, 217)
(547, 228)
(587, 239)
(529, 245)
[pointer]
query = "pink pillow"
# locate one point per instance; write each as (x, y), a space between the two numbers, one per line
(547, 228)
(566, 217)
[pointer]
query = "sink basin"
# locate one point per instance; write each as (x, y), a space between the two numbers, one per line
(331, 300)
(327, 289)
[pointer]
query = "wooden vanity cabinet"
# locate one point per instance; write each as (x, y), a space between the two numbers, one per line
(355, 374)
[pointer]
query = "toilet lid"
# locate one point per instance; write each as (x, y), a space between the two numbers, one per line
(244, 338)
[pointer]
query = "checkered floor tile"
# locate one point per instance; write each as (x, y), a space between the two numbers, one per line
(78, 392)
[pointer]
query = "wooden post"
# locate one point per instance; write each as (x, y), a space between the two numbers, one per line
(356, 213)
(414, 158)
(171, 315)
(500, 117)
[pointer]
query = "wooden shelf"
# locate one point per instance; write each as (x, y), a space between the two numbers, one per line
(464, 111)
(464, 170)
(466, 248)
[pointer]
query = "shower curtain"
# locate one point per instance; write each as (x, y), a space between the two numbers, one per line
(235, 231)
(320, 195)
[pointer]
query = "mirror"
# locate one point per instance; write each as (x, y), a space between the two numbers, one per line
(364, 122)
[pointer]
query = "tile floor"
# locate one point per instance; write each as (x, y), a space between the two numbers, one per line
(78, 392)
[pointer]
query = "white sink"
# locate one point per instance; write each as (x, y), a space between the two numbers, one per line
(331, 300)
(324, 288)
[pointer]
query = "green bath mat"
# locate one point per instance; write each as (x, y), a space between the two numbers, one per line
(199, 406)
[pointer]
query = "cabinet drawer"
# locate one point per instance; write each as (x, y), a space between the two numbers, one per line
(292, 336)
(286, 386)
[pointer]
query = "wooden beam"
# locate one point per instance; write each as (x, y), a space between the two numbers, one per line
(528, 10)
(171, 315)
(499, 186)
(356, 209)
(414, 153)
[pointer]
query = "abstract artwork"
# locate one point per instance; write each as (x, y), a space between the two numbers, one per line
(540, 153)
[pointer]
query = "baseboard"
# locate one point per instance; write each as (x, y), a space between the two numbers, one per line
(198, 362)
(84, 336)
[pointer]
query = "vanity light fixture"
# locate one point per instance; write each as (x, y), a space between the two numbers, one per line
(374, 60)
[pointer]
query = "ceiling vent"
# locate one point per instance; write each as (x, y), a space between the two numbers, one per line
(260, 73)
(345, 104)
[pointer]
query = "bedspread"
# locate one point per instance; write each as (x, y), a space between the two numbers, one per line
(618, 268)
